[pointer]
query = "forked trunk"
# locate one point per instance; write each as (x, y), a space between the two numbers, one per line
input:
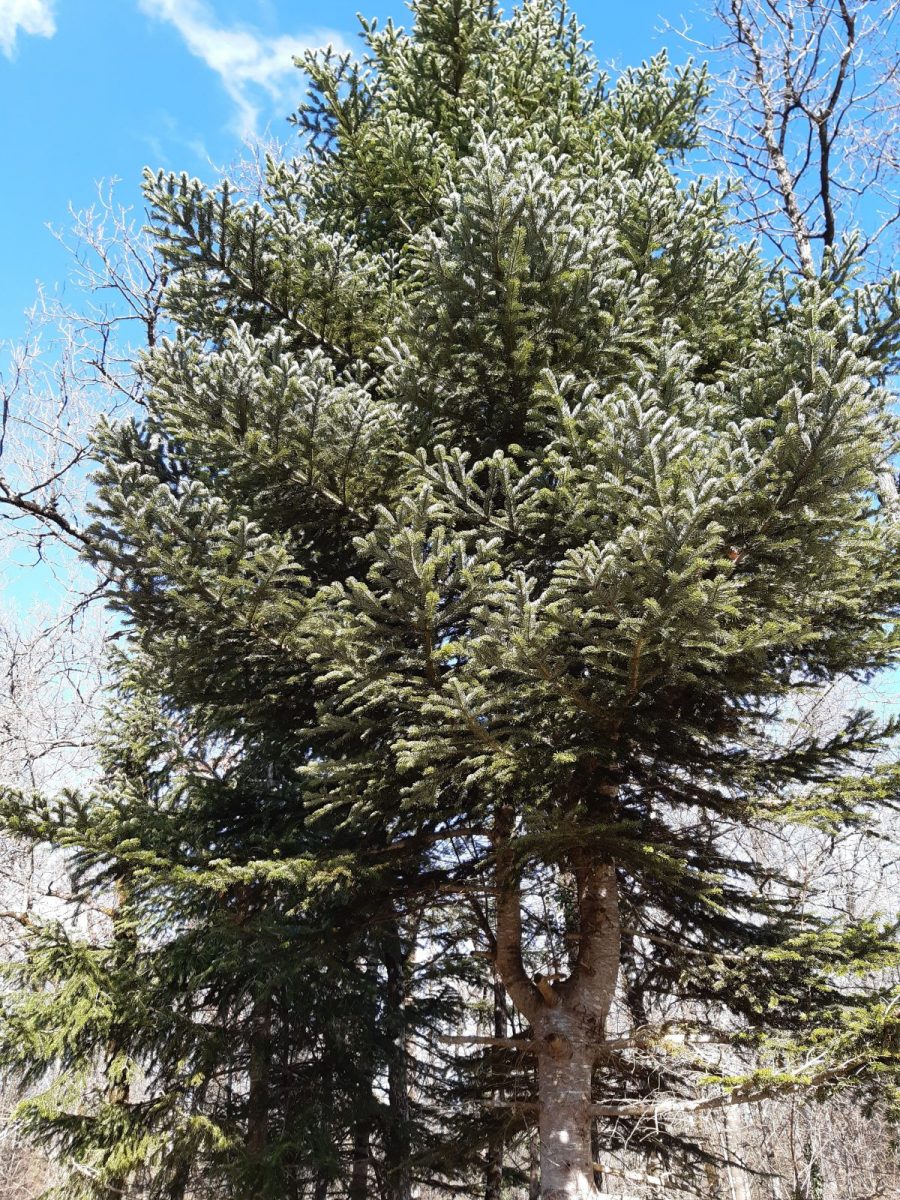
(568, 1016)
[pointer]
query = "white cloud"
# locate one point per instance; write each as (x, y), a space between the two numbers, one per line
(29, 16)
(247, 62)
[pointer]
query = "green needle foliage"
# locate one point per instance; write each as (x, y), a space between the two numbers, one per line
(491, 502)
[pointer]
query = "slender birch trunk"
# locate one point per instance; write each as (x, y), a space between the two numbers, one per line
(734, 1148)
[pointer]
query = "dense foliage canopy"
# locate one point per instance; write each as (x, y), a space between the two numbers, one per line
(490, 506)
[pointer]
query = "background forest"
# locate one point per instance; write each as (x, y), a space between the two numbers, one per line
(464, 762)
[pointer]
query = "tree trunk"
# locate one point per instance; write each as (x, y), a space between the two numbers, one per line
(320, 1185)
(397, 1134)
(258, 1090)
(569, 1016)
(359, 1172)
(564, 1120)
(493, 1182)
(326, 1168)
(178, 1185)
(734, 1149)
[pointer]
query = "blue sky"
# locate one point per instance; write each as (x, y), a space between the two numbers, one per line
(97, 89)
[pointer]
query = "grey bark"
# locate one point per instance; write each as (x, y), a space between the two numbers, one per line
(568, 1017)
(564, 1116)
(740, 1180)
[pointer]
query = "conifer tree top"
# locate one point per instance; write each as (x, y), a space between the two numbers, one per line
(491, 504)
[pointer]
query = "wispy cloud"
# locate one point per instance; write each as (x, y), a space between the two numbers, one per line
(247, 61)
(27, 16)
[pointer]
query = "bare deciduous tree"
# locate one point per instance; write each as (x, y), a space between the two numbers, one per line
(52, 678)
(72, 365)
(806, 116)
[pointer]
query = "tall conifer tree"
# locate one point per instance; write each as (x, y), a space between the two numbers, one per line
(491, 504)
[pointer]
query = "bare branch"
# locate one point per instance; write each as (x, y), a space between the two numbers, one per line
(807, 121)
